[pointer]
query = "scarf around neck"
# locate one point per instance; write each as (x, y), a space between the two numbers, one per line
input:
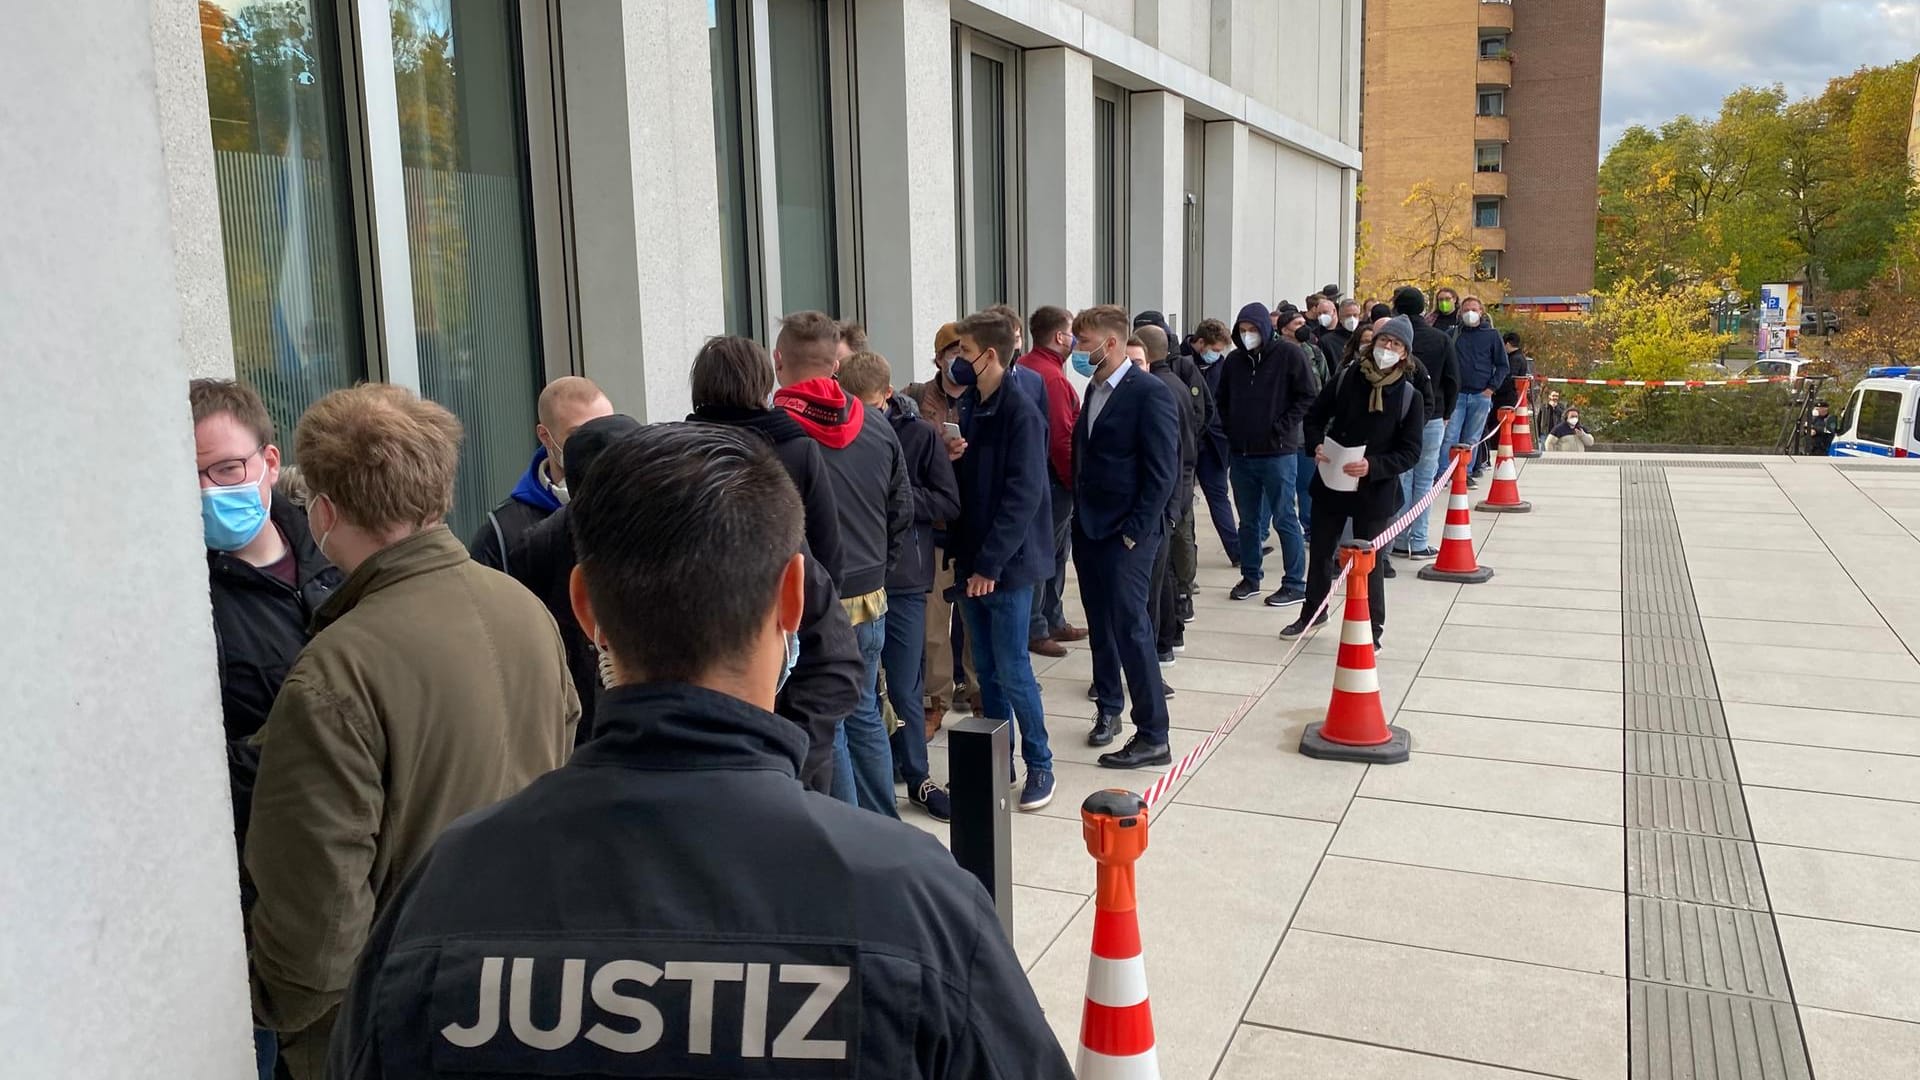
(1380, 380)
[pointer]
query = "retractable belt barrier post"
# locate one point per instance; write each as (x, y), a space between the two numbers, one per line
(1523, 446)
(1504, 496)
(1456, 562)
(1116, 1028)
(1356, 727)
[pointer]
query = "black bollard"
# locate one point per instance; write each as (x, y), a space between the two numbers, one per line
(978, 780)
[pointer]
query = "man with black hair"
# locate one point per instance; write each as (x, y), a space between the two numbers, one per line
(1211, 344)
(793, 933)
(1048, 629)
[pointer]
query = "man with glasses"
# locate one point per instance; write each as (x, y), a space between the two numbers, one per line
(266, 577)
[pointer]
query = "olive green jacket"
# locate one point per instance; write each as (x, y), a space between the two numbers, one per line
(433, 687)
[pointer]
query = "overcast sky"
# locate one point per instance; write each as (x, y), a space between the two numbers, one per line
(1666, 57)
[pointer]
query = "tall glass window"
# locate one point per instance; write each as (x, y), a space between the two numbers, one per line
(726, 39)
(1106, 253)
(803, 153)
(457, 75)
(989, 181)
(286, 222)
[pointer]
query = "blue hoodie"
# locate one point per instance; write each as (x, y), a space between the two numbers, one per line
(532, 488)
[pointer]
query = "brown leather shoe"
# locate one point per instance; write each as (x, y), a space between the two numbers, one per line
(1070, 632)
(1046, 646)
(936, 715)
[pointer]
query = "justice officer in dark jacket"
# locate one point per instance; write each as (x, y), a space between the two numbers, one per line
(1373, 404)
(1126, 465)
(1266, 387)
(265, 575)
(1196, 393)
(673, 902)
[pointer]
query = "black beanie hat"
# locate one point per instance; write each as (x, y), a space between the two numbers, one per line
(1408, 300)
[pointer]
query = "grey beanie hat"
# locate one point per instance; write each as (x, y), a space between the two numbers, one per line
(1397, 327)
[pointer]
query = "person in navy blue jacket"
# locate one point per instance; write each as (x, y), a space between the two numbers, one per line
(1002, 544)
(1126, 462)
(1483, 367)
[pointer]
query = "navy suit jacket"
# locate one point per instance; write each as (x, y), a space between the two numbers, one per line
(1126, 466)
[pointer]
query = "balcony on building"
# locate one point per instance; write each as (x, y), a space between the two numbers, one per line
(1495, 71)
(1490, 183)
(1490, 239)
(1496, 14)
(1491, 129)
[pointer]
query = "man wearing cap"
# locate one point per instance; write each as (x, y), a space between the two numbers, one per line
(939, 401)
(1372, 404)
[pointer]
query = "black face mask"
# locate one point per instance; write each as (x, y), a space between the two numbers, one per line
(1303, 335)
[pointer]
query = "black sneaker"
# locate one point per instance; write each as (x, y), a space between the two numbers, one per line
(1166, 658)
(1285, 597)
(932, 798)
(1244, 590)
(1186, 610)
(1167, 689)
(1300, 626)
(1093, 692)
(1377, 644)
(1426, 553)
(1389, 571)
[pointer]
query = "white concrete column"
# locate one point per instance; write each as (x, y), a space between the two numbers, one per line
(120, 948)
(1349, 226)
(905, 73)
(1156, 211)
(645, 202)
(1059, 191)
(1224, 227)
(193, 194)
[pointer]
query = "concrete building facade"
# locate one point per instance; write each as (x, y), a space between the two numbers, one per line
(1482, 135)
(469, 198)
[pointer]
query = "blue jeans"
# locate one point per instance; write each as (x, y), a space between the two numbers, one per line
(862, 759)
(1304, 469)
(1212, 475)
(903, 658)
(1415, 482)
(1263, 485)
(266, 1050)
(997, 626)
(1469, 420)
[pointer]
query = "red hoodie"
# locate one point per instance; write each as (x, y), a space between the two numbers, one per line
(824, 410)
(1063, 409)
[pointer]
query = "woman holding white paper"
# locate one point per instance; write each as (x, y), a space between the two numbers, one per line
(1371, 407)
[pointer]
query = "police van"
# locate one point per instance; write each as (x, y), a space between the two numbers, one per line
(1879, 418)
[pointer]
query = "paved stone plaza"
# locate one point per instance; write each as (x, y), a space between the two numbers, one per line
(1569, 878)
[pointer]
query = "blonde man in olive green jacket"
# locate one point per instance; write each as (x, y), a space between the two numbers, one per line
(432, 687)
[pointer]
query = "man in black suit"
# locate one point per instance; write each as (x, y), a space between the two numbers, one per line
(1126, 461)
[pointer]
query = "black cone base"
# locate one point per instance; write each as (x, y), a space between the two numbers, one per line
(1391, 752)
(1476, 576)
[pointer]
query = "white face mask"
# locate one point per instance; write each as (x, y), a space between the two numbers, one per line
(560, 492)
(1325, 319)
(1471, 318)
(1249, 341)
(1350, 323)
(1385, 357)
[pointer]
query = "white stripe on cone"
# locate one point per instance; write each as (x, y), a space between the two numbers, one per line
(1457, 532)
(1355, 633)
(1097, 1066)
(1457, 502)
(1505, 470)
(1357, 680)
(1116, 983)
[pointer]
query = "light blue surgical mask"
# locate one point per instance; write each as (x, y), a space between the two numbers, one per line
(793, 657)
(230, 517)
(1211, 356)
(1082, 363)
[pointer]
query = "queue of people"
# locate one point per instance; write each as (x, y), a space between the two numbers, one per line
(650, 731)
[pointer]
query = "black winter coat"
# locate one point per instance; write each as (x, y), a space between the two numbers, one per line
(1391, 436)
(674, 904)
(510, 522)
(801, 456)
(936, 494)
(1192, 413)
(259, 627)
(1263, 396)
(1434, 348)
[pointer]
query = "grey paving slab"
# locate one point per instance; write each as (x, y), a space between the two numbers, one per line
(1675, 715)
(1601, 643)
(1835, 822)
(1844, 887)
(1869, 970)
(1506, 786)
(1704, 947)
(1820, 691)
(1808, 660)
(1861, 1047)
(1050, 853)
(1551, 705)
(1205, 947)
(1562, 600)
(1524, 669)
(1259, 769)
(1548, 1020)
(1189, 672)
(1669, 804)
(1839, 772)
(1513, 740)
(1483, 842)
(1676, 1033)
(1694, 868)
(1606, 579)
(1530, 921)
(1873, 732)
(1686, 757)
(1039, 915)
(1259, 1053)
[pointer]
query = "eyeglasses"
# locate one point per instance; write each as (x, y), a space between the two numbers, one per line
(231, 471)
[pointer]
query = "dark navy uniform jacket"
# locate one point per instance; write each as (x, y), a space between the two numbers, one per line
(672, 903)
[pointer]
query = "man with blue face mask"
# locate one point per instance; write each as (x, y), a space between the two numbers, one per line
(265, 575)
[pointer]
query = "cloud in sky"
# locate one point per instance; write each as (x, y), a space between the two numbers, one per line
(1666, 57)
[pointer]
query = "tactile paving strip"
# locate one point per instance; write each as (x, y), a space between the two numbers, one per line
(1708, 995)
(1603, 458)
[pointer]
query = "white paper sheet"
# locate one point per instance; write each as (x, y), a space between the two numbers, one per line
(1331, 472)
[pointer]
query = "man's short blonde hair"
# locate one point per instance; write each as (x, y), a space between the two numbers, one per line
(864, 374)
(566, 392)
(1105, 318)
(384, 457)
(809, 341)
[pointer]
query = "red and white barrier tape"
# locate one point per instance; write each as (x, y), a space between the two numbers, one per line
(1160, 787)
(1688, 384)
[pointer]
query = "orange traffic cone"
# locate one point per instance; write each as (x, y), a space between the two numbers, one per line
(1523, 420)
(1456, 562)
(1356, 727)
(1116, 1030)
(1504, 496)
